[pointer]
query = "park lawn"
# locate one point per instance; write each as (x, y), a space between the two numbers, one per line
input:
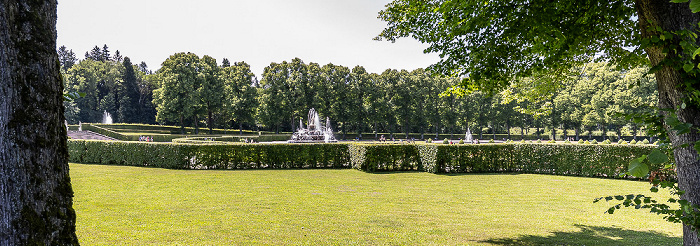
(120, 205)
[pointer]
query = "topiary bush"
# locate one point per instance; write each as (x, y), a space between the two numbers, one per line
(633, 141)
(461, 141)
(622, 141)
(446, 141)
(594, 141)
(645, 141)
(580, 141)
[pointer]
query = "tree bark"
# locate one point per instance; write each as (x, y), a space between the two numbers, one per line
(36, 196)
(674, 17)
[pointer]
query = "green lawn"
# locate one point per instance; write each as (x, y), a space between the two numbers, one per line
(119, 205)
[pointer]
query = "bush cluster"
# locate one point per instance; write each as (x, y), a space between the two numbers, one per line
(560, 159)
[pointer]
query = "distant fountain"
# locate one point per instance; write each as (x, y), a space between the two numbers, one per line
(106, 118)
(80, 126)
(314, 131)
(468, 137)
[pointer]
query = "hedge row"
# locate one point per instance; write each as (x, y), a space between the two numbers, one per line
(123, 127)
(215, 156)
(558, 159)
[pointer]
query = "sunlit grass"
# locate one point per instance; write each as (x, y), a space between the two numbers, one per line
(118, 205)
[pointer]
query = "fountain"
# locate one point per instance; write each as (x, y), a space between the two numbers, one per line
(106, 118)
(314, 132)
(468, 137)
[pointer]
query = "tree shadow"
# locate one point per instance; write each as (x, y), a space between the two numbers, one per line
(592, 235)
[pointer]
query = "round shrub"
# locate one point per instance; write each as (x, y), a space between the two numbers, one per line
(586, 142)
(539, 140)
(606, 141)
(461, 141)
(580, 141)
(429, 140)
(594, 141)
(567, 141)
(633, 141)
(491, 141)
(522, 140)
(622, 141)
(645, 141)
(446, 141)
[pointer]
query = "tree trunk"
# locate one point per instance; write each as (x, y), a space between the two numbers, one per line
(209, 122)
(182, 124)
(240, 128)
(36, 196)
(375, 130)
(674, 17)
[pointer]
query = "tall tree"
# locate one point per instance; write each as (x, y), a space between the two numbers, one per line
(175, 99)
(35, 191)
(129, 107)
(492, 42)
(240, 94)
(211, 88)
(66, 57)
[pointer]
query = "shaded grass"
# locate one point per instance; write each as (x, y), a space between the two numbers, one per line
(119, 205)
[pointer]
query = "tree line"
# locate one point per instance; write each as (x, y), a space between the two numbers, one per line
(189, 90)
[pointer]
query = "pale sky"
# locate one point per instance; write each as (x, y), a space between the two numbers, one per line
(257, 31)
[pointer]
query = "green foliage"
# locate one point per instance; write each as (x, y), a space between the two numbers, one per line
(594, 141)
(491, 141)
(645, 141)
(210, 156)
(633, 141)
(445, 141)
(429, 140)
(586, 142)
(559, 159)
(580, 141)
(622, 141)
(607, 141)
(461, 141)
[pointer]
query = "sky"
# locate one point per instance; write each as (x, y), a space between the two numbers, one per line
(258, 32)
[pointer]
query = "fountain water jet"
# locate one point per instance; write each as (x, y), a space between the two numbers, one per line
(314, 132)
(106, 118)
(468, 137)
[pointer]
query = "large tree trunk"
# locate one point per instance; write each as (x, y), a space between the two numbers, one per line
(674, 17)
(36, 197)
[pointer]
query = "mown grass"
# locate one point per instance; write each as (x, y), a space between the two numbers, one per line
(118, 205)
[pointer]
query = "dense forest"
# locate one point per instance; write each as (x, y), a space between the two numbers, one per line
(189, 90)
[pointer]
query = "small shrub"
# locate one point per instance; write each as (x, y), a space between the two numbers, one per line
(429, 140)
(491, 141)
(633, 141)
(539, 140)
(446, 141)
(606, 141)
(580, 141)
(594, 141)
(586, 142)
(461, 141)
(567, 141)
(622, 141)
(522, 140)
(645, 141)
(552, 141)
(657, 142)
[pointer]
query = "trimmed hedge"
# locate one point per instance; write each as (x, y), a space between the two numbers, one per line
(214, 156)
(557, 159)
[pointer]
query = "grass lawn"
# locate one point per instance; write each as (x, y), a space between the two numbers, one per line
(119, 205)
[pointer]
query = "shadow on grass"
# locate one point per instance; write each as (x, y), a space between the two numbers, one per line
(593, 235)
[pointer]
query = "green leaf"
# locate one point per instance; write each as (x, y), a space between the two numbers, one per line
(697, 147)
(688, 67)
(695, 6)
(637, 168)
(697, 52)
(657, 157)
(679, 1)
